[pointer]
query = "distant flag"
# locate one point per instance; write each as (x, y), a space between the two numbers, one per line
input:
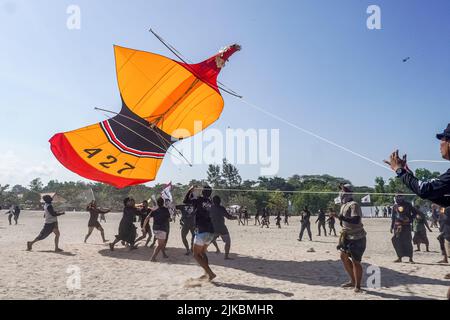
(166, 193)
(337, 200)
(366, 199)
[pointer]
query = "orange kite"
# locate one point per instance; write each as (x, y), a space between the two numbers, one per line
(162, 100)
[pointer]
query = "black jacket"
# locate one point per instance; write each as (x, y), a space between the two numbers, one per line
(435, 190)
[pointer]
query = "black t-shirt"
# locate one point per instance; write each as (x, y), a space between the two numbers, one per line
(203, 221)
(161, 219)
(306, 216)
(321, 217)
(187, 215)
(93, 214)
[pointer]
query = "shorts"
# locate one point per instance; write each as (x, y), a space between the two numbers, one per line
(203, 239)
(354, 248)
(95, 224)
(160, 235)
(48, 228)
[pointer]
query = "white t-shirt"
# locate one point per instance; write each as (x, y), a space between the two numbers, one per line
(48, 217)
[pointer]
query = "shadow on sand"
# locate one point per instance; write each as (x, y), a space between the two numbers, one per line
(327, 273)
(62, 253)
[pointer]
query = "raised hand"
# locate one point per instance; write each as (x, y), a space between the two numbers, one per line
(395, 162)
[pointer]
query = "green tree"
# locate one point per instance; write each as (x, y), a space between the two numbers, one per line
(425, 174)
(277, 202)
(214, 176)
(230, 175)
(32, 199)
(36, 185)
(380, 187)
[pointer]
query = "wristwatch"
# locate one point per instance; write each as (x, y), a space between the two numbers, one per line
(400, 172)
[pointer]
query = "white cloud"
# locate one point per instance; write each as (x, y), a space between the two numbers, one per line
(21, 169)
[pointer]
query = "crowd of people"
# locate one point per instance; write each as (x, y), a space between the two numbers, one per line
(203, 217)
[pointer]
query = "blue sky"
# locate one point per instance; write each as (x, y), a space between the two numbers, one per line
(312, 62)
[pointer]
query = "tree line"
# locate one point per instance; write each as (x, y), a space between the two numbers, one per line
(275, 193)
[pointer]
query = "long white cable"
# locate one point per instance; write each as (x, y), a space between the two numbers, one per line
(270, 114)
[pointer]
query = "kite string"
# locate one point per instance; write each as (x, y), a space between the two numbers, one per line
(329, 141)
(308, 192)
(232, 93)
(270, 114)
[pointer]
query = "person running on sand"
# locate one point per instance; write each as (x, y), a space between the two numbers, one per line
(352, 242)
(51, 224)
(145, 227)
(127, 229)
(93, 220)
(161, 221)
(218, 214)
(205, 229)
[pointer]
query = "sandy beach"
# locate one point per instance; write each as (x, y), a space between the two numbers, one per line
(268, 264)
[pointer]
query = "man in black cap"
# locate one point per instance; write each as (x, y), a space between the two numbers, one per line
(436, 190)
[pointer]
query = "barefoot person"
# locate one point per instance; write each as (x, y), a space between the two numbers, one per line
(93, 220)
(218, 214)
(161, 221)
(205, 229)
(51, 224)
(420, 226)
(402, 218)
(145, 227)
(352, 242)
(435, 190)
(127, 230)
